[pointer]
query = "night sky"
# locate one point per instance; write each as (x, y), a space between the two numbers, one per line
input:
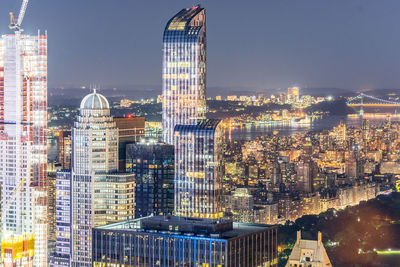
(252, 45)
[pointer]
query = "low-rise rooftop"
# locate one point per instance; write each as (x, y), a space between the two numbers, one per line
(174, 225)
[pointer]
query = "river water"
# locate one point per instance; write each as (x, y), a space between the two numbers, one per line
(287, 128)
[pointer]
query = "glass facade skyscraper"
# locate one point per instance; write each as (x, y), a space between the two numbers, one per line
(23, 147)
(153, 167)
(198, 169)
(184, 70)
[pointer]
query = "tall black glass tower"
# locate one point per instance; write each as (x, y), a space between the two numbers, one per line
(153, 166)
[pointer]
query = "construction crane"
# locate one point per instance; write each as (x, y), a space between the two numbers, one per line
(5, 206)
(16, 24)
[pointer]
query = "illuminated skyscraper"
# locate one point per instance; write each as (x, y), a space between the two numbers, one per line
(23, 148)
(99, 194)
(184, 70)
(293, 95)
(340, 133)
(198, 169)
(304, 175)
(95, 150)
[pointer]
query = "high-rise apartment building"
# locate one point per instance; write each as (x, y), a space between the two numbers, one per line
(62, 254)
(293, 95)
(153, 166)
(23, 148)
(184, 70)
(99, 193)
(306, 171)
(64, 149)
(51, 207)
(198, 169)
(95, 151)
(113, 201)
(130, 130)
(114, 198)
(340, 133)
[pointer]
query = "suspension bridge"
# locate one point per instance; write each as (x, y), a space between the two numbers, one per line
(363, 100)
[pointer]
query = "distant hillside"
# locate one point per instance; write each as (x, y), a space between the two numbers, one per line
(73, 96)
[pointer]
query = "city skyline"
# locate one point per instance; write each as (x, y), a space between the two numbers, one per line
(346, 44)
(185, 179)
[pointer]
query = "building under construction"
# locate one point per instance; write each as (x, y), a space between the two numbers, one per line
(23, 148)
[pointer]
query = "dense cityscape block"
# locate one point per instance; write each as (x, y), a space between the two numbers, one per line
(190, 179)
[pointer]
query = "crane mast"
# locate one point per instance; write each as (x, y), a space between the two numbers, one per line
(16, 24)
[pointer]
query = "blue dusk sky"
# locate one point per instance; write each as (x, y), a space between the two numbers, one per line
(256, 44)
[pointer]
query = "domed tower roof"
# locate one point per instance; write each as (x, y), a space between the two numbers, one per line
(94, 101)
